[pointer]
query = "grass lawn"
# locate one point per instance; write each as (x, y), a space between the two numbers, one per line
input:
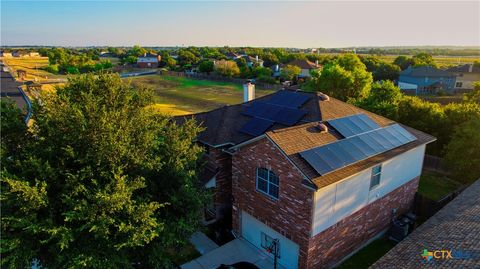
(368, 255)
(441, 61)
(184, 254)
(33, 66)
(179, 95)
(435, 186)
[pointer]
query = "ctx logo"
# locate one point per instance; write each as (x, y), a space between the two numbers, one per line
(437, 254)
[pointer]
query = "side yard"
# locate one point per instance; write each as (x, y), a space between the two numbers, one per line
(434, 186)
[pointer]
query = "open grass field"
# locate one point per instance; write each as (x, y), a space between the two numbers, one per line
(180, 96)
(33, 66)
(442, 61)
(436, 186)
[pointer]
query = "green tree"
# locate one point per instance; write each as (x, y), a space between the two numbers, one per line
(186, 57)
(290, 72)
(227, 68)
(137, 51)
(474, 95)
(403, 62)
(345, 78)
(104, 183)
(206, 67)
(462, 154)
(130, 60)
(383, 99)
(423, 59)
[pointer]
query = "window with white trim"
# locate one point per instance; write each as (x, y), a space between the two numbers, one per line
(267, 182)
(376, 174)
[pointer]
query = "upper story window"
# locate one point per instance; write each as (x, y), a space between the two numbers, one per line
(376, 174)
(267, 182)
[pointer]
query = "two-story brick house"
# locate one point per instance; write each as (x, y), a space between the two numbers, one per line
(320, 176)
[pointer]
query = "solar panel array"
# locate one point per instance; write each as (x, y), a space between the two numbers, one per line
(256, 126)
(353, 125)
(282, 108)
(328, 158)
(289, 99)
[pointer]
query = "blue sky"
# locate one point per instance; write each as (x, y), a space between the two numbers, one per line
(242, 23)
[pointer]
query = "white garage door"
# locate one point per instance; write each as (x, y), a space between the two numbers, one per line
(259, 234)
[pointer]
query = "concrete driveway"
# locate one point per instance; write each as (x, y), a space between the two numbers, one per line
(238, 250)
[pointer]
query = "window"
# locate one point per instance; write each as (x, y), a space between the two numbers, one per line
(458, 84)
(376, 174)
(267, 182)
(268, 244)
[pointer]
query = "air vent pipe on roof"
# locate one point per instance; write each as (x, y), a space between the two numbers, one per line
(324, 97)
(248, 91)
(322, 127)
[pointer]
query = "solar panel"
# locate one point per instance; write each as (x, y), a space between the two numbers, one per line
(330, 157)
(314, 160)
(276, 113)
(289, 99)
(289, 116)
(256, 126)
(353, 125)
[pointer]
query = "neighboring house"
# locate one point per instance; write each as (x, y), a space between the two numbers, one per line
(306, 67)
(466, 74)
(251, 61)
(455, 230)
(148, 60)
(426, 80)
(232, 56)
(19, 53)
(33, 54)
(6, 54)
(320, 175)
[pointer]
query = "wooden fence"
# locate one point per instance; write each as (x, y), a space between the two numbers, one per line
(434, 163)
(425, 207)
(215, 77)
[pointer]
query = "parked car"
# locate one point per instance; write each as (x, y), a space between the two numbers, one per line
(239, 265)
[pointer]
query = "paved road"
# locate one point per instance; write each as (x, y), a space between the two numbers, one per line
(9, 88)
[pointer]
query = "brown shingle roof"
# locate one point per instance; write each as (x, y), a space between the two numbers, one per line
(223, 125)
(456, 226)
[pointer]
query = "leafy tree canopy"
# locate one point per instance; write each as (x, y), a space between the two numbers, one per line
(100, 181)
(227, 68)
(346, 77)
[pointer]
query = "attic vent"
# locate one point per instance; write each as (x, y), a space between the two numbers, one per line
(322, 127)
(324, 97)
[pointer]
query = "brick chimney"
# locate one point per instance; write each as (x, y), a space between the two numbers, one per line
(248, 92)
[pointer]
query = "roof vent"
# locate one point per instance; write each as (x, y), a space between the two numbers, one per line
(324, 97)
(322, 127)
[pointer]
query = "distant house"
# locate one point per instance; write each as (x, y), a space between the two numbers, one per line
(18, 53)
(306, 67)
(148, 60)
(251, 61)
(6, 54)
(232, 55)
(426, 80)
(465, 76)
(33, 54)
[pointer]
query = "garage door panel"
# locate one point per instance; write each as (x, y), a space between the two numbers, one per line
(252, 230)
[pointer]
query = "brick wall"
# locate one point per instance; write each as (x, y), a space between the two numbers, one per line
(291, 215)
(331, 245)
(223, 189)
